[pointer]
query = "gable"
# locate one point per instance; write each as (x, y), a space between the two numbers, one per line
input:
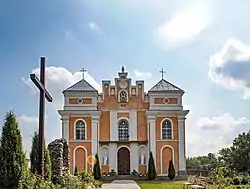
(81, 85)
(164, 85)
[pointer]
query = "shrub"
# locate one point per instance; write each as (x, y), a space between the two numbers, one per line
(75, 172)
(12, 157)
(151, 167)
(171, 170)
(96, 169)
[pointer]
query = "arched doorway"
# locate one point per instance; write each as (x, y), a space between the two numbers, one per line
(123, 161)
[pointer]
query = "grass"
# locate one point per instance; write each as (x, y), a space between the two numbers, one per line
(161, 184)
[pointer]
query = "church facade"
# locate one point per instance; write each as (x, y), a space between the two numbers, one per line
(124, 124)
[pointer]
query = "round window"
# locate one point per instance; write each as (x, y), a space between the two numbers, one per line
(80, 101)
(166, 101)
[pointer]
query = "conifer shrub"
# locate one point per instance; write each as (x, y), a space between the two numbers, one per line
(151, 174)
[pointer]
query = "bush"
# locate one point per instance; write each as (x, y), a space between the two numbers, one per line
(96, 169)
(151, 167)
(171, 170)
(12, 157)
(76, 171)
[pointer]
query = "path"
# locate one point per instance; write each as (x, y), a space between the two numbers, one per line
(121, 184)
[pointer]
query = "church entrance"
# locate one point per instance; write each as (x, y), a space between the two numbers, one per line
(123, 161)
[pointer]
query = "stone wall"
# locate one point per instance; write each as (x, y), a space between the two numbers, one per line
(60, 158)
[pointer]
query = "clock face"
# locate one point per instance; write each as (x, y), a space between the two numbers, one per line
(123, 84)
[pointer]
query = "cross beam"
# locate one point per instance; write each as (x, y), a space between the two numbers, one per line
(40, 84)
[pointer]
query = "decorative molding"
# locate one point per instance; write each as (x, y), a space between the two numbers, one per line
(85, 128)
(172, 149)
(86, 156)
(81, 141)
(80, 113)
(172, 130)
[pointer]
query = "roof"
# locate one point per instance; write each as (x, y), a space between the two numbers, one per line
(164, 85)
(81, 85)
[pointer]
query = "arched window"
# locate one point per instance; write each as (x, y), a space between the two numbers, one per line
(123, 130)
(166, 129)
(123, 96)
(80, 130)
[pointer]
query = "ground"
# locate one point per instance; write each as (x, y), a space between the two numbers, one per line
(161, 184)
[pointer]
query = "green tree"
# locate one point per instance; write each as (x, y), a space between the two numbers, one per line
(12, 157)
(237, 157)
(171, 170)
(76, 172)
(151, 167)
(34, 158)
(96, 169)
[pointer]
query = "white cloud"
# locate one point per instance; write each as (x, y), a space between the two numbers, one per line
(210, 134)
(142, 75)
(69, 35)
(59, 79)
(183, 27)
(95, 27)
(230, 67)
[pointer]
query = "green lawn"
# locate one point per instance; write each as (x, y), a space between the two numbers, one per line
(161, 184)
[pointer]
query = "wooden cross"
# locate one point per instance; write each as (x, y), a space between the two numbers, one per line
(40, 84)
(83, 70)
(162, 73)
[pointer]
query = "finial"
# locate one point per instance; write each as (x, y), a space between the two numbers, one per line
(123, 69)
(83, 70)
(162, 73)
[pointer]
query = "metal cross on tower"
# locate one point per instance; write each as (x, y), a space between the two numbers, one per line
(162, 73)
(40, 84)
(83, 70)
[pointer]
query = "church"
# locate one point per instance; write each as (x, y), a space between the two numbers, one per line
(123, 124)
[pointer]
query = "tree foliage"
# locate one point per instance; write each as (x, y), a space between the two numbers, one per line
(237, 157)
(34, 158)
(171, 170)
(12, 157)
(151, 167)
(96, 169)
(209, 162)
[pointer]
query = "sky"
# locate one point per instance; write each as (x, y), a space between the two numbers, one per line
(204, 47)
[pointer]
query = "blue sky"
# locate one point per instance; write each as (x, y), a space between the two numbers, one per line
(204, 47)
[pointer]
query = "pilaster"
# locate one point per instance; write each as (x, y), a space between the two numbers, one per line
(182, 145)
(134, 157)
(113, 126)
(133, 126)
(152, 137)
(94, 137)
(65, 128)
(113, 156)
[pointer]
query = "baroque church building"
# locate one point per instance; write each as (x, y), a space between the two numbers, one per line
(124, 124)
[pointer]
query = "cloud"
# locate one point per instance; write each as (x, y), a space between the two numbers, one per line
(69, 35)
(183, 27)
(142, 75)
(27, 124)
(210, 134)
(95, 27)
(57, 80)
(230, 67)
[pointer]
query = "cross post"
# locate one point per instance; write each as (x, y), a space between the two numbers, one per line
(162, 73)
(40, 84)
(83, 70)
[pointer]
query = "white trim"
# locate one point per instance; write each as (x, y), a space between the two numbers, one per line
(172, 132)
(167, 146)
(119, 92)
(85, 124)
(82, 141)
(103, 147)
(117, 127)
(74, 156)
(121, 147)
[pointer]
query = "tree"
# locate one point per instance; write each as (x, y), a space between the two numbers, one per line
(237, 157)
(151, 167)
(96, 169)
(76, 172)
(34, 158)
(12, 157)
(171, 170)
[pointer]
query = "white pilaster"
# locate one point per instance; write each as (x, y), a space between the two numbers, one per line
(133, 126)
(65, 128)
(182, 145)
(94, 136)
(134, 157)
(113, 126)
(112, 156)
(152, 136)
